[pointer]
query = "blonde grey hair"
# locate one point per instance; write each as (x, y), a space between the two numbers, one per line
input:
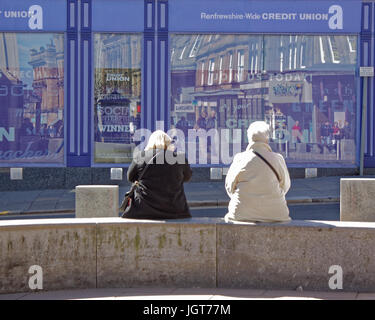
(258, 131)
(158, 140)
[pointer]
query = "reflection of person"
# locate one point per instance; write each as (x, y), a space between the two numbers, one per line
(296, 132)
(51, 131)
(256, 192)
(60, 129)
(27, 128)
(210, 124)
(201, 122)
(325, 133)
(183, 125)
(160, 193)
(211, 121)
(346, 131)
(336, 134)
(43, 131)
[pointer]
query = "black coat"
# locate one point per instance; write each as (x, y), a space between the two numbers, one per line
(160, 194)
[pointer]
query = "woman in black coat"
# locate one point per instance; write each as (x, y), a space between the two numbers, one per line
(160, 192)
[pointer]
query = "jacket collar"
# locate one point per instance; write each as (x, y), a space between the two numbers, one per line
(258, 146)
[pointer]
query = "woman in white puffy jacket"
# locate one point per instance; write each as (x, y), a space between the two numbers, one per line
(257, 181)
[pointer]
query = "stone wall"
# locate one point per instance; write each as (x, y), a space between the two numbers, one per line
(199, 252)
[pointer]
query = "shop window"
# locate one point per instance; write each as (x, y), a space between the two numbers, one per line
(32, 98)
(304, 86)
(117, 95)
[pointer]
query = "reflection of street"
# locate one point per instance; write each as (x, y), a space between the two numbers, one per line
(294, 82)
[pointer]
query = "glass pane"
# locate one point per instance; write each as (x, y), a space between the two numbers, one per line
(311, 103)
(117, 95)
(303, 86)
(31, 98)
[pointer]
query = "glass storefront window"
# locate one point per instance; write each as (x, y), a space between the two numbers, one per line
(117, 95)
(304, 86)
(31, 98)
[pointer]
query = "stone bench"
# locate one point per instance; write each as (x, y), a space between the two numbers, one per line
(94, 201)
(197, 252)
(357, 199)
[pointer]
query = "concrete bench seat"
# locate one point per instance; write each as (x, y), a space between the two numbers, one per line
(97, 201)
(357, 199)
(197, 252)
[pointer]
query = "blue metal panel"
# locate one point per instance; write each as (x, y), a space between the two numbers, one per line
(72, 16)
(149, 104)
(86, 15)
(86, 94)
(117, 16)
(366, 18)
(85, 82)
(148, 109)
(163, 64)
(71, 102)
(163, 17)
(79, 88)
(367, 59)
(162, 80)
(149, 16)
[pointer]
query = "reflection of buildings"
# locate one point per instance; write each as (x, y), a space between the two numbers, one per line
(9, 52)
(183, 56)
(11, 102)
(48, 83)
(11, 97)
(249, 77)
(119, 53)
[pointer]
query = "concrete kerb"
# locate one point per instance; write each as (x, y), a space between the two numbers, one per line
(192, 204)
(198, 252)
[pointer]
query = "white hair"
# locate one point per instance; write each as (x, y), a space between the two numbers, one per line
(258, 131)
(158, 140)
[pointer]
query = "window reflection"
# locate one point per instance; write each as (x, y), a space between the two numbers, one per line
(117, 95)
(31, 98)
(303, 86)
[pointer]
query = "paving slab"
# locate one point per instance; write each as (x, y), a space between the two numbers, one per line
(207, 294)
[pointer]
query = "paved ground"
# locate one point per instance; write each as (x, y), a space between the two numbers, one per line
(324, 189)
(186, 294)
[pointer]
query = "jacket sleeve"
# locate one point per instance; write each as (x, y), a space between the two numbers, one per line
(132, 173)
(187, 171)
(232, 177)
(285, 178)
